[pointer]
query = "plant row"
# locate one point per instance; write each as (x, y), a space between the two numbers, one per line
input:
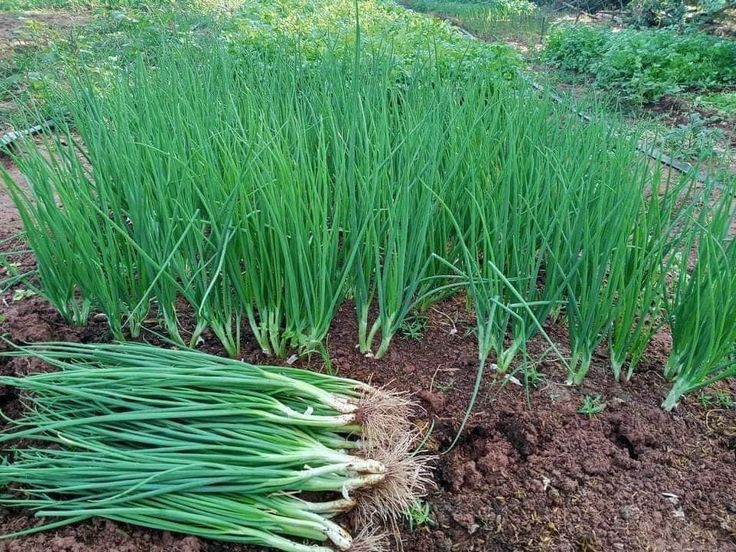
(262, 193)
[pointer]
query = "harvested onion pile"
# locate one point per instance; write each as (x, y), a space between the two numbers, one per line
(193, 443)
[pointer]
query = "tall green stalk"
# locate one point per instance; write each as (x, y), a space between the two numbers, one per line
(702, 307)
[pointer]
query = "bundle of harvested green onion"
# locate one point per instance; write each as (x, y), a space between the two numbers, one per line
(189, 442)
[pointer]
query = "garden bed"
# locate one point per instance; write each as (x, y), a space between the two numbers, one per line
(541, 465)
(529, 472)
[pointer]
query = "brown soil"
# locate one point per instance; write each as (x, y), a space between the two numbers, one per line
(724, 24)
(529, 472)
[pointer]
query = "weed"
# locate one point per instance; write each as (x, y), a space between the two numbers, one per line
(718, 399)
(443, 387)
(470, 331)
(694, 139)
(414, 327)
(591, 405)
(327, 364)
(418, 515)
(532, 376)
(22, 293)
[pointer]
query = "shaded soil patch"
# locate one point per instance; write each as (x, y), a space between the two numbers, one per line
(22, 32)
(16, 27)
(676, 111)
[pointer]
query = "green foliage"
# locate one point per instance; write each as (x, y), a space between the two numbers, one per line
(644, 65)
(418, 515)
(724, 102)
(591, 405)
(577, 48)
(693, 140)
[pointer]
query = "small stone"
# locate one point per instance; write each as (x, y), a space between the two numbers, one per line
(465, 519)
(629, 512)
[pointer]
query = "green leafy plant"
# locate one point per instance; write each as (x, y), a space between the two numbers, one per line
(693, 140)
(532, 376)
(642, 66)
(414, 327)
(21, 294)
(577, 48)
(591, 405)
(418, 515)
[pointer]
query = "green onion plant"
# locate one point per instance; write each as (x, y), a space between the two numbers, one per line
(702, 306)
(227, 193)
(188, 442)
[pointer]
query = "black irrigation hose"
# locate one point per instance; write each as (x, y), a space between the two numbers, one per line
(8, 139)
(644, 147)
